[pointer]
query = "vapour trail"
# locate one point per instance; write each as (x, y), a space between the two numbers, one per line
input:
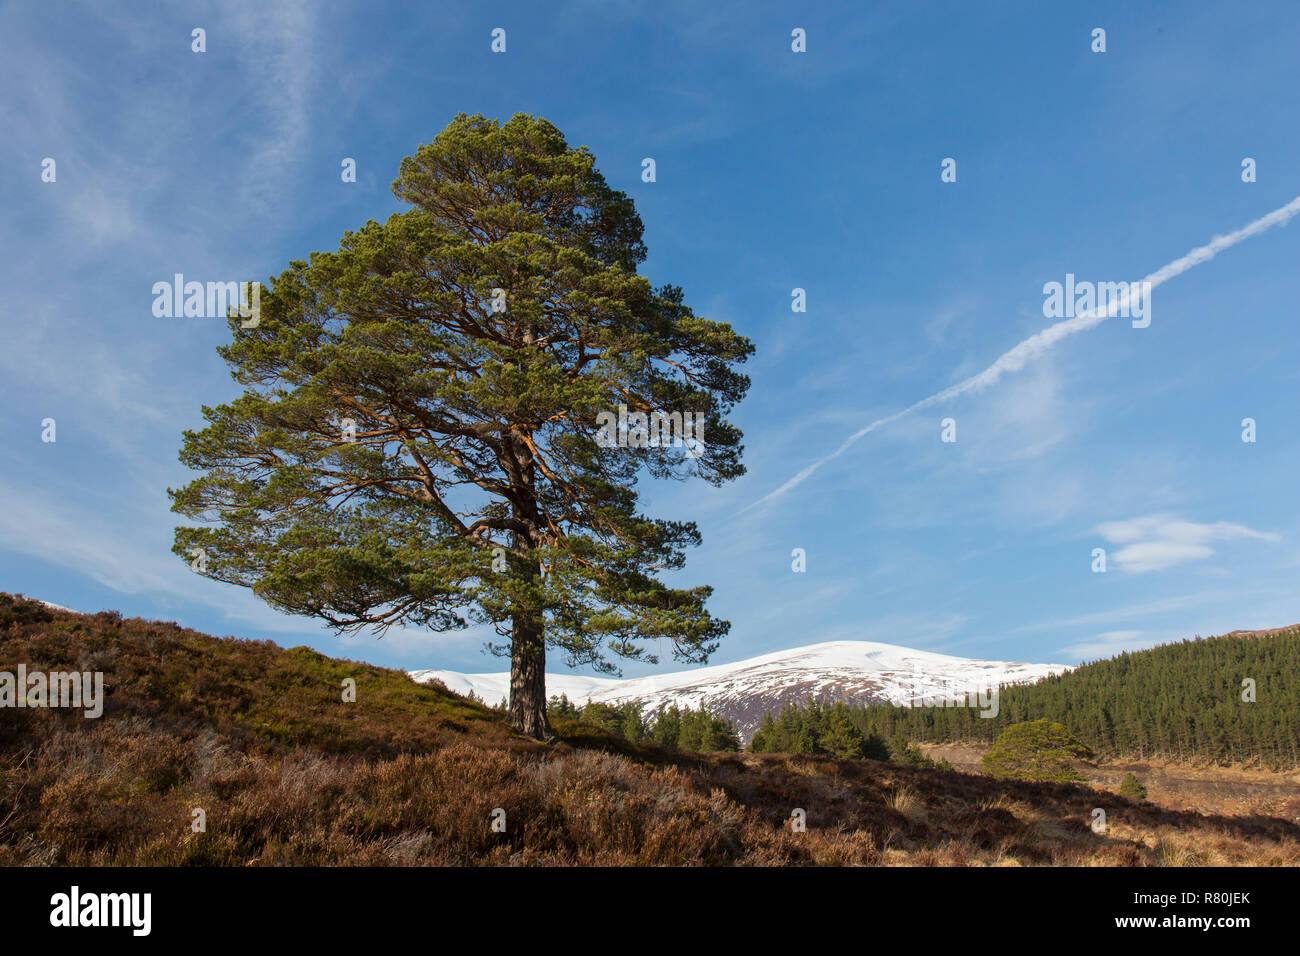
(1043, 341)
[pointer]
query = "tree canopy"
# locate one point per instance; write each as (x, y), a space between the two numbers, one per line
(1037, 750)
(419, 440)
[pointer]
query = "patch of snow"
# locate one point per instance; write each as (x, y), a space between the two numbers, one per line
(57, 607)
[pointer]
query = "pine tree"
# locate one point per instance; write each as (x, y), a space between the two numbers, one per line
(561, 706)
(666, 726)
(842, 739)
(1180, 701)
(1131, 788)
(1036, 750)
(764, 739)
(420, 439)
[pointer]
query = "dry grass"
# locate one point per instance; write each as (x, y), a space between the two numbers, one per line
(906, 802)
(287, 774)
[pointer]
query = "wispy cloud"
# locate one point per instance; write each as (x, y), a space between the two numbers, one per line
(1040, 343)
(94, 540)
(1158, 541)
(1177, 606)
(278, 50)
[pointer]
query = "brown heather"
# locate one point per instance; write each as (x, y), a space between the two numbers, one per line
(288, 774)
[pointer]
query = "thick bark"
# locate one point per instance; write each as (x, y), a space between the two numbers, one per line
(528, 678)
(527, 707)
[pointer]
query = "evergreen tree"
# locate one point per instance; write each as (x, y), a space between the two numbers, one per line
(631, 726)
(1036, 750)
(841, 739)
(903, 751)
(666, 726)
(1131, 788)
(420, 437)
(1180, 701)
(561, 706)
(696, 731)
(716, 734)
(764, 739)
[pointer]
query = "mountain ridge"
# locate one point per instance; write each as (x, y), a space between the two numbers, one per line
(855, 672)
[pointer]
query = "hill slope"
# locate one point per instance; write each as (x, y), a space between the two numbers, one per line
(260, 739)
(1230, 699)
(857, 672)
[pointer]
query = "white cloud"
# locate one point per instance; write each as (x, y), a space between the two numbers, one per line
(1021, 422)
(278, 50)
(108, 546)
(937, 328)
(1158, 541)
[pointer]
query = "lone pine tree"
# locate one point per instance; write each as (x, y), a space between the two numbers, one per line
(417, 440)
(1037, 750)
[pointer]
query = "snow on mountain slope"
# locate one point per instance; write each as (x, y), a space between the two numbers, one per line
(851, 671)
(57, 607)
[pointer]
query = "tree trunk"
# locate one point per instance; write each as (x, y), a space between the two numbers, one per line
(527, 707)
(528, 677)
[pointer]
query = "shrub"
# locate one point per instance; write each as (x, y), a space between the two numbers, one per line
(1131, 788)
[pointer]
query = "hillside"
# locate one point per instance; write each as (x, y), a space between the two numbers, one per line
(857, 672)
(1187, 701)
(260, 739)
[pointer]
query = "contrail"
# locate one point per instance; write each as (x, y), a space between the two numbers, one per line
(1042, 342)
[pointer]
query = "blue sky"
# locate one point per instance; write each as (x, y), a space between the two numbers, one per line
(775, 170)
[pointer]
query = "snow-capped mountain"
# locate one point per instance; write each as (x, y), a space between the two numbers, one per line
(851, 671)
